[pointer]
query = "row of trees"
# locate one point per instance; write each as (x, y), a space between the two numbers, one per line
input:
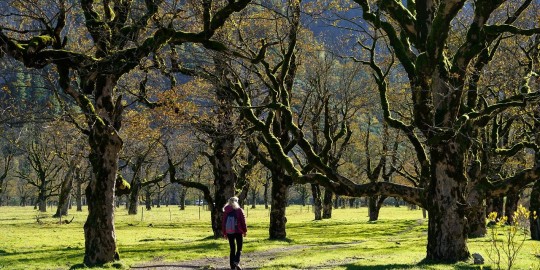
(455, 128)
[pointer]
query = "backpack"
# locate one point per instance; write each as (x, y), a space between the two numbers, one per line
(231, 223)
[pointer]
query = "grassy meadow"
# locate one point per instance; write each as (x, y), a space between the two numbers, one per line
(164, 235)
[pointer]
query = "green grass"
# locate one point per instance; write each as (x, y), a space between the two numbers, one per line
(166, 234)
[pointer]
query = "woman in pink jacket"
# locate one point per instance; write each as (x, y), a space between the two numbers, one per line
(233, 226)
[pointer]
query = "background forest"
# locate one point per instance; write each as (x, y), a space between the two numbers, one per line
(118, 104)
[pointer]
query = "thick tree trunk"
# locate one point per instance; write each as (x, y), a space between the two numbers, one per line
(495, 204)
(476, 219)
(148, 199)
(224, 179)
(317, 201)
(535, 208)
(65, 192)
(99, 231)
(223, 139)
(476, 215)
(23, 201)
(134, 196)
(79, 196)
(183, 198)
(279, 193)
(447, 238)
(42, 200)
(511, 205)
(244, 192)
(327, 204)
(158, 198)
(266, 187)
(374, 207)
(253, 199)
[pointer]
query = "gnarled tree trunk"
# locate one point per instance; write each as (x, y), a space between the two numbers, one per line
(511, 205)
(447, 237)
(265, 194)
(317, 201)
(495, 204)
(134, 196)
(279, 193)
(65, 192)
(182, 198)
(42, 196)
(99, 230)
(535, 208)
(476, 215)
(375, 203)
(327, 204)
(78, 196)
(148, 199)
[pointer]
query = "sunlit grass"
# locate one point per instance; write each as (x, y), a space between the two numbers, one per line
(347, 241)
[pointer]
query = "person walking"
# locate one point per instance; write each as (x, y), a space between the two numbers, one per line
(233, 226)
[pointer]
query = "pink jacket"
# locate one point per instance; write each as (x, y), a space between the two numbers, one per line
(241, 219)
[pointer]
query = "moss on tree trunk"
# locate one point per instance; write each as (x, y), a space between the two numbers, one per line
(447, 237)
(535, 208)
(279, 193)
(317, 201)
(99, 230)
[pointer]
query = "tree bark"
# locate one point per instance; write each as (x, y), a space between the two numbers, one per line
(511, 205)
(65, 192)
(279, 193)
(253, 198)
(99, 230)
(148, 199)
(374, 207)
(79, 196)
(266, 187)
(182, 198)
(495, 204)
(447, 236)
(42, 199)
(224, 179)
(317, 202)
(134, 196)
(476, 215)
(158, 198)
(535, 211)
(327, 204)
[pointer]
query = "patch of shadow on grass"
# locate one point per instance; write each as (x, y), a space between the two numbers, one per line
(158, 239)
(421, 265)
(286, 240)
(459, 265)
(377, 267)
(211, 237)
(78, 266)
(113, 265)
(3, 252)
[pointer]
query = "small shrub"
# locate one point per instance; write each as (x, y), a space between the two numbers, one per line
(506, 240)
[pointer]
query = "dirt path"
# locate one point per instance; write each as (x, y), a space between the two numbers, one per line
(251, 260)
(255, 260)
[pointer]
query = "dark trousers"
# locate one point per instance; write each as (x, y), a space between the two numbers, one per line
(236, 249)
